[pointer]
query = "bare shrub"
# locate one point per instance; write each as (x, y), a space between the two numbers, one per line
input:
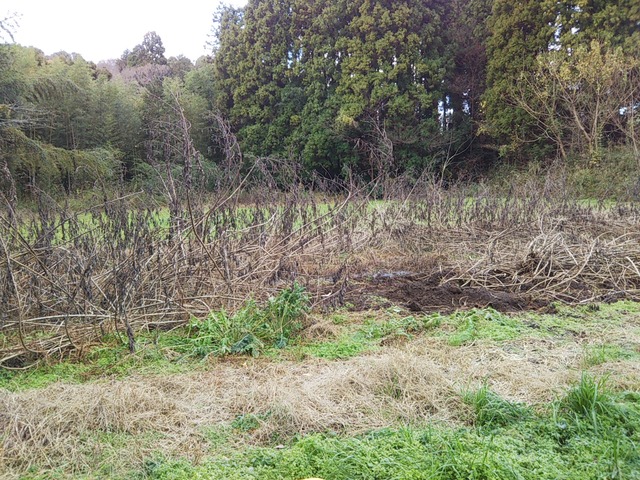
(67, 278)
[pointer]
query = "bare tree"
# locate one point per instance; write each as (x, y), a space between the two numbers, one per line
(8, 26)
(170, 145)
(574, 95)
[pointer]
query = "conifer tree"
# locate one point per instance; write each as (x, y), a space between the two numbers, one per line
(519, 32)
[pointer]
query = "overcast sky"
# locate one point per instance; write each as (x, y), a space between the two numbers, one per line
(100, 30)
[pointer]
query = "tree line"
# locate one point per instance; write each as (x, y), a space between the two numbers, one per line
(361, 87)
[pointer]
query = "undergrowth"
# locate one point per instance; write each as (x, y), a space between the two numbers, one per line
(273, 330)
(250, 329)
(484, 323)
(371, 334)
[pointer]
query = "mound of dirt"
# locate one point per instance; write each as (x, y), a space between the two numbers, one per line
(427, 293)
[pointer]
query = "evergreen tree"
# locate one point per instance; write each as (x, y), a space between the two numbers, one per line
(519, 32)
(613, 23)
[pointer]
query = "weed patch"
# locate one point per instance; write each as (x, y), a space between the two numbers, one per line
(371, 334)
(345, 347)
(523, 446)
(482, 324)
(599, 354)
(492, 410)
(111, 359)
(249, 330)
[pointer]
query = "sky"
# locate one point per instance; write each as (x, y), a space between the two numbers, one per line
(104, 29)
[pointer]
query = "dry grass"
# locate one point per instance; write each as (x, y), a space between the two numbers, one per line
(418, 382)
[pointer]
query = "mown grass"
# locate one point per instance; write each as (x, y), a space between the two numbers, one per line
(507, 441)
(590, 431)
(585, 434)
(272, 330)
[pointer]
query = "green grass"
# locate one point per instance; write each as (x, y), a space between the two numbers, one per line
(271, 330)
(591, 400)
(551, 442)
(515, 444)
(482, 324)
(250, 330)
(491, 410)
(487, 324)
(591, 431)
(110, 360)
(368, 337)
(603, 353)
(347, 346)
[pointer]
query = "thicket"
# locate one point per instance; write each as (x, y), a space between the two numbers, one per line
(369, 89)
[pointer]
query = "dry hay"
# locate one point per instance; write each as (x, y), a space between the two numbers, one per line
(51, 424)
(419, 382)
(624, 374)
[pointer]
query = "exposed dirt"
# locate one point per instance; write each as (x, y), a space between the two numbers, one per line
(428, 293)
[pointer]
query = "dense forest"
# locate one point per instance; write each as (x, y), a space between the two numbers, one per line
(365, 88)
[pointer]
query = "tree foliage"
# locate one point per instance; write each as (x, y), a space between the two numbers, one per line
(333, 83)
(561, 35)
(372, 88)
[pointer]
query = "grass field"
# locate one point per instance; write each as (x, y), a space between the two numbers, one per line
(374, 394)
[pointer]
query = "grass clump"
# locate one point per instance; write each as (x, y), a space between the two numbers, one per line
(591, 400)
(251, 329)
(492, 410)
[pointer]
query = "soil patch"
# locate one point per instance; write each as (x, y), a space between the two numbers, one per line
(428, 293)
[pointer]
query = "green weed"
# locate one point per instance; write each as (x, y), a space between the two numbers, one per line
(112, 359)
(246, 423)
(370, 334)
(345, 347)
(528, 449)
(249, 330)
(492, 410)
(590, 399)
(398, 326)
(487, 323)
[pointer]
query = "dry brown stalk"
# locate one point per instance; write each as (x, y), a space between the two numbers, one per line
(127, 265)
